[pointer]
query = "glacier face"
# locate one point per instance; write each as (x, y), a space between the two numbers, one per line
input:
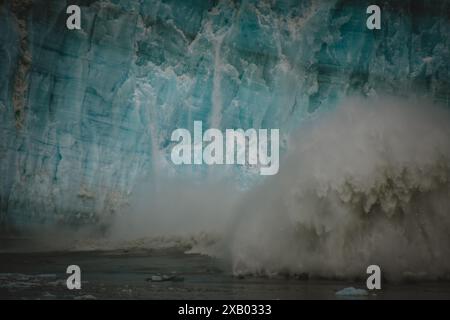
(85, 114)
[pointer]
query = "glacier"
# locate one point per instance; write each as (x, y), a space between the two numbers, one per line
(85, 115)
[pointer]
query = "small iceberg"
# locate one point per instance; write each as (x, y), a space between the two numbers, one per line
(159, 278)
(350, 291)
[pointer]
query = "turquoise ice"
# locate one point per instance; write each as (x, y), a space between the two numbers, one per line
(84, 115)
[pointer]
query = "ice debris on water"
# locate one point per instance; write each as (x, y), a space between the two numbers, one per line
(86, 297)
(24, 281)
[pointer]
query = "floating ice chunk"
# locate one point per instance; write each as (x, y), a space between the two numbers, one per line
(158, 278)
(350, 291)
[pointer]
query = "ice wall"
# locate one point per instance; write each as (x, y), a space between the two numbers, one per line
(84, 115)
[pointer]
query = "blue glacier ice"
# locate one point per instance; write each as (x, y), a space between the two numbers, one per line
(85, 115)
